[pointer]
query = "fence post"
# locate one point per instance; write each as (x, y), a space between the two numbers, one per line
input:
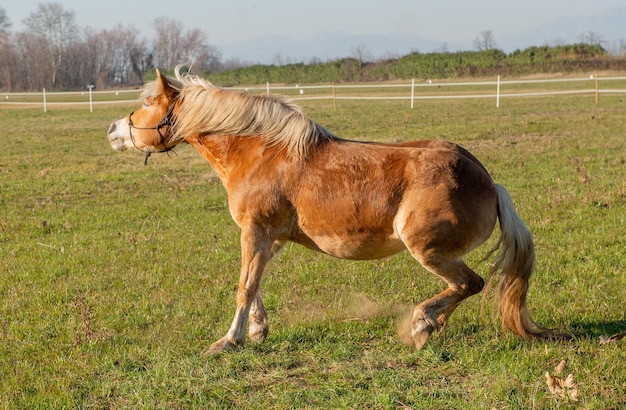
(597, 89)
(90, 86)
(412, 91)
(268, 88)
(45, 107)
(334, 98)
(498, 93)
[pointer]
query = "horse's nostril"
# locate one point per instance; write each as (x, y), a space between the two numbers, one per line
(112, 128)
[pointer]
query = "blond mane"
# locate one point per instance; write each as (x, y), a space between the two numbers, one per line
(206, 109)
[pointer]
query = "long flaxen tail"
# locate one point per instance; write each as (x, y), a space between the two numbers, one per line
(513, 266)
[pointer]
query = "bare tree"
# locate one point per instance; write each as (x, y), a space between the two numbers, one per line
(278, 59)
(175, 46)
(486, 41)
(100, 53)
(358, 53)
(117, 56)
(29, 74)
(591, 38)
(130, 51)
(55, 26)
(5, 24)
(140, 61)
(167, 42)
(75, 69)
(6, 51)
(195, 47)
(233, 63)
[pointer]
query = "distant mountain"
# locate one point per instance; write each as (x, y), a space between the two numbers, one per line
(610, 27)
(328, 46)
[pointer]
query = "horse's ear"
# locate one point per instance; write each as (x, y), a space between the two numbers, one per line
(168, 90)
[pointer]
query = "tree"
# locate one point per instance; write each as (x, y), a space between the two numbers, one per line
(358, 53)
(357, 61)
(117, 56)
(486, 41)
(29, 73)
(621, 49)
(100, 54)
(130, 54)
(6, 50)
(195, 47)
(591, 38)
(167, 42)
(5, 24)
(56, 28)
(175, 46)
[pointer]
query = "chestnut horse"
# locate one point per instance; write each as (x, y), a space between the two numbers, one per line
(290, 179)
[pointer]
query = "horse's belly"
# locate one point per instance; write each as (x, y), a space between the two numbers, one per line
(356, 246)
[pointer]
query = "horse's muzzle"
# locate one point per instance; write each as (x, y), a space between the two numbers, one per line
(116, 137)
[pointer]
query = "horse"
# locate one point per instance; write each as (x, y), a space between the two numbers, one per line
(290, 179)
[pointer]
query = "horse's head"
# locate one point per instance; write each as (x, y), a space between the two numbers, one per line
(148, 128)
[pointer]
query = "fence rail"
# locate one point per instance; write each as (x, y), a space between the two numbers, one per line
(412, 91)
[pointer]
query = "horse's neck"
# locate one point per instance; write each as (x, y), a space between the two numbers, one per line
(213, 150)
(232, 157)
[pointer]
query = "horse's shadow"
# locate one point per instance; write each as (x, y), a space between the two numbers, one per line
(590, 329)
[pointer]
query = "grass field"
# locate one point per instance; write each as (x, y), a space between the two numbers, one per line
(115, 277)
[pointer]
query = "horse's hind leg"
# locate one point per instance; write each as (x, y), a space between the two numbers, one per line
(433, 313)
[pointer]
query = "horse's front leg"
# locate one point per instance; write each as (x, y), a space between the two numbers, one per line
(258, 324)
(256, 251)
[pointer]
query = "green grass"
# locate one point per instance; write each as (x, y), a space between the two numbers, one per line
(115, 277)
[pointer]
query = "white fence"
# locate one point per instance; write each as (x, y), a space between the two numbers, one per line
(422, 90)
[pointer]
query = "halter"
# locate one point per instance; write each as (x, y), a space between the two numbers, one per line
(165, 122)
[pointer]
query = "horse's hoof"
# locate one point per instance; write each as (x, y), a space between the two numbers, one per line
(220, 346)
(421, 332)
(258, 333)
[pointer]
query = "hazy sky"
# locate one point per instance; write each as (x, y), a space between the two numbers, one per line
(233, 21)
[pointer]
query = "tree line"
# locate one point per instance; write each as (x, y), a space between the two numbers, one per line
(438, 65)
(55, 53)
